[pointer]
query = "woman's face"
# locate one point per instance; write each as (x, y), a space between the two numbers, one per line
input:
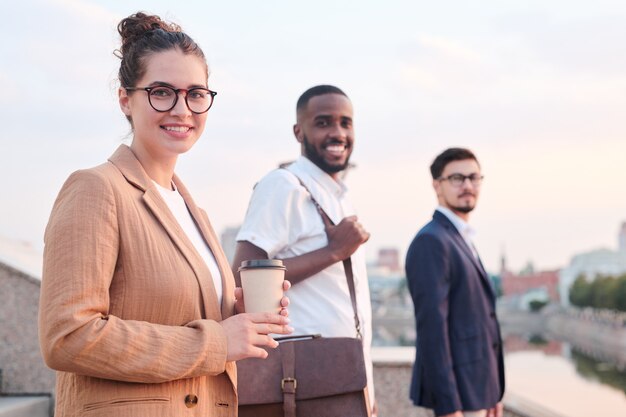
(166, 134)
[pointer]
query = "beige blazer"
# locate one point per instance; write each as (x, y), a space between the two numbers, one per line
(128, 312)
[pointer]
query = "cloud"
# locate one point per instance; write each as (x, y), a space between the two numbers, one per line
(588, 44)
(439, 64)
(448, 48)
(90, 11)
(10, 91)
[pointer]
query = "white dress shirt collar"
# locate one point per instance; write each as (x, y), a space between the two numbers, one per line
(335, 187)
(464, 228)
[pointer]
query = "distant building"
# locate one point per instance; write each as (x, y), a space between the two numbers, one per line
(22, 370)
(524, 283)
(528, 285)
(592, 264)
(389, 258)
(518, 343)
(393, 322)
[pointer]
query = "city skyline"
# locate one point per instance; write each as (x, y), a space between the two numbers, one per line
(535, 88)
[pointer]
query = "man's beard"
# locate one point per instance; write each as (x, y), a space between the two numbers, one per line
(314, 156)
(464, 209)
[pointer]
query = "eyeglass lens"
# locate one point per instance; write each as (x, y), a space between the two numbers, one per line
(164, 99)
(458, 179)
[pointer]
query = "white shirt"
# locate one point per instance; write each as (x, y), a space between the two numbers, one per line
(283, 221)
(177, 206)
(466, 231)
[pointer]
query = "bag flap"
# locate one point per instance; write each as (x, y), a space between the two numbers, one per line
(324, 367)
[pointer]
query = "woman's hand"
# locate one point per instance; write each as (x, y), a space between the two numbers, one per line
(248, 333)
(284, 302)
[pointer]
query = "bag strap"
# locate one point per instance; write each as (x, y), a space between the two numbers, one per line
(289, 384)
(347, 263)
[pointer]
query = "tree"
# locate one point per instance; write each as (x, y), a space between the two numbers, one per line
(579, 293)
(603, 292)
(620, 293)
(537, 305)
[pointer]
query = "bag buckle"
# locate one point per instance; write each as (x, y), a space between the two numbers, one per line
(286, 381)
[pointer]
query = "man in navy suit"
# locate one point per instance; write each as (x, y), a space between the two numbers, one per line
(458, 370)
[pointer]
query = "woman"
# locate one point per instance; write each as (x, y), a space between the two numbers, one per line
(137, 298)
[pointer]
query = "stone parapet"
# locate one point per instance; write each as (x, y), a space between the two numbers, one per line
(392, 378)
(22, 368)
(24, 406)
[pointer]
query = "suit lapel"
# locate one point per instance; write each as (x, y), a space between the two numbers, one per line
(132, 170)
(460, 242)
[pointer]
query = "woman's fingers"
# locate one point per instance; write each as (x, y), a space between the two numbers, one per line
(267, 323)
(271, 318)
(239, 304)
(238, 293)
(247, 334)
(256, 352)
(265, 340)
(266, 328)
(284, 302)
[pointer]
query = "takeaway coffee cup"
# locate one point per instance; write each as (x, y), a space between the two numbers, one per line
(262, 282)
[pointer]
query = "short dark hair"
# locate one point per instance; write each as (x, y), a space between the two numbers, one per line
(447, 156)
(318, 90)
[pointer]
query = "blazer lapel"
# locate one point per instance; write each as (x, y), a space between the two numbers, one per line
(460, 242)
(202, 221)
(228, 287)
(132, 170)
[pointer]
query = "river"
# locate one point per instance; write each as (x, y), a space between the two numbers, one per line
(567, 382)
(541, 368)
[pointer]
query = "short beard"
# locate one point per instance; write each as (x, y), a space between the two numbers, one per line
(311, 153)
(463, 209)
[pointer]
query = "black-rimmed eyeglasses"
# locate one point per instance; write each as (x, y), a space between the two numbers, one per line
(456, 180)
(163, 99)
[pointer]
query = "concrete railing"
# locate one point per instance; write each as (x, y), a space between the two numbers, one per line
(392, 378)
(25, 406)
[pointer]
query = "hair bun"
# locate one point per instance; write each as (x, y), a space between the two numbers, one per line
(137, 25)
(143, 35)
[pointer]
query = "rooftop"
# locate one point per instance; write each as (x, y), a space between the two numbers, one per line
(21, 256)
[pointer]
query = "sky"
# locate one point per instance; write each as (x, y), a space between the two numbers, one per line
(536, 88)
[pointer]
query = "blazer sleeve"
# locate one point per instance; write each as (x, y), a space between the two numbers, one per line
(77, 333)
(429, 284)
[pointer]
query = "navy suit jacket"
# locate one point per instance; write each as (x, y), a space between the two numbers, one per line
(458, 358)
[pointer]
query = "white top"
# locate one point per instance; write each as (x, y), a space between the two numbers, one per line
(283, 221)
(177, 206)
(466, 231)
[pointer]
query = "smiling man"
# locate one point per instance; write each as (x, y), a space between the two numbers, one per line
(282, 222)
(458, 368)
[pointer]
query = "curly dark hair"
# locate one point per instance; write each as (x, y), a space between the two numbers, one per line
(143, 35)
